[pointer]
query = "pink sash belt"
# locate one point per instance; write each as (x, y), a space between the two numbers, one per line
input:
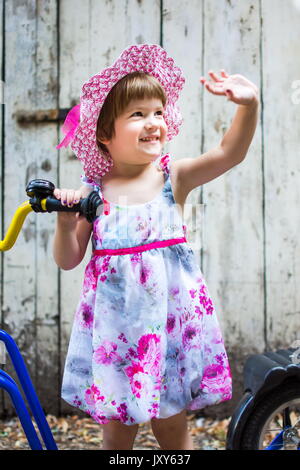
(137, 249)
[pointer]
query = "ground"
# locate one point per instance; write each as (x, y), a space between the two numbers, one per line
(72, 432)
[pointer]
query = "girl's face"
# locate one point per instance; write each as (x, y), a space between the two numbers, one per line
(142, 118)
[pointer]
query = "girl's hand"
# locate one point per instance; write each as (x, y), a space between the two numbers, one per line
(236, 87)
(68, 197)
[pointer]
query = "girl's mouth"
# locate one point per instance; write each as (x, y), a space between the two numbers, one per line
(151, 141)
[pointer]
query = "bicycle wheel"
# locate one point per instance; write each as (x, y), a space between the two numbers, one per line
(278, 410)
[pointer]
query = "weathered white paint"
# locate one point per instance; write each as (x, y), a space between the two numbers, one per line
(183, 40)
(19, 268)
(281, 66)
(30, 298)
(233, 240)
(47, 301)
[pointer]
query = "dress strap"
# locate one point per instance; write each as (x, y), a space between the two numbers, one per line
(164, 163)
(88, 182)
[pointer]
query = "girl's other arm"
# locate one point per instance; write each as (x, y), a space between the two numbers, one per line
(72, 233)
(70, 240)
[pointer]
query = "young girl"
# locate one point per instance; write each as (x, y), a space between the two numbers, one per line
(145, 344)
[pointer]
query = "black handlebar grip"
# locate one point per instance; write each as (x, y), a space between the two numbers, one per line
(55, 205)
(91, 207)
(38, 190)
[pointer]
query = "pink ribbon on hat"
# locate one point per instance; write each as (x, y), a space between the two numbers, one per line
(70, 125)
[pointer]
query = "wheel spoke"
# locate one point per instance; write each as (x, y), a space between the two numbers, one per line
(286, 417)
(272, 430)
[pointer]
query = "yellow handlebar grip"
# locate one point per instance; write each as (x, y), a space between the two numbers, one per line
(15, 226)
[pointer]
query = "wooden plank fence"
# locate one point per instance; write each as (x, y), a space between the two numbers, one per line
(243, 226)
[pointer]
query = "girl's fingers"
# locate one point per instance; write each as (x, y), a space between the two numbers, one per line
(214, 76)
(63, 197)
(57, 193)
(67, 196)
(216, 89)
(70, 197)
(224, 74)
(77, 196)
(215, 86)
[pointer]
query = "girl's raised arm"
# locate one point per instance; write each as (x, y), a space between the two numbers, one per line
(193, 172)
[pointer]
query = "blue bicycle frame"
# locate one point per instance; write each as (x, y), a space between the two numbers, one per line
(8, 384)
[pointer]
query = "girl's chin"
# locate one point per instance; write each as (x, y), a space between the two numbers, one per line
(152, 152)
(153, 156)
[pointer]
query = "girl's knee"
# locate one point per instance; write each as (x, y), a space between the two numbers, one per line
(172, 433)
(118, 436)
(118, 429)
(173, 423)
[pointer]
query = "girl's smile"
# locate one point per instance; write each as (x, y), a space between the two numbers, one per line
(150, 142)
(150, 139)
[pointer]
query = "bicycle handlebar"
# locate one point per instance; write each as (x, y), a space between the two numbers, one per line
(42, 200)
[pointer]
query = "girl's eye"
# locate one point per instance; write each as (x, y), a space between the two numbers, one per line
(140, 112)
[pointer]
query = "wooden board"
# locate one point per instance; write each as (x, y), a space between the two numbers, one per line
(242, 226)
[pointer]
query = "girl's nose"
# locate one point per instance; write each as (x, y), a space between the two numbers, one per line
(151, 123)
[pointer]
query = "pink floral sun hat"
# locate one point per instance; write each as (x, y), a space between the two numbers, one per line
(81, 122)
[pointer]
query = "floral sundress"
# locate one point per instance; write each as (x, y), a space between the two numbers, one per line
(145, 341)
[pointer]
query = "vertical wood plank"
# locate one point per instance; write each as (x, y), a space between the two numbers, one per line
(233, 225)
(182, 38)
(226, 230)
(74, 69)
(47, 318)
(29, 292)
(281, 65)
(103, 30)
(182, 32)
(19, 289)
(233, 258)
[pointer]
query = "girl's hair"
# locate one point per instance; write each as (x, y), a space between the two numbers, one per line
(134, 86)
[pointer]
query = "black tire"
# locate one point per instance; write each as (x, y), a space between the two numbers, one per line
(263, 411)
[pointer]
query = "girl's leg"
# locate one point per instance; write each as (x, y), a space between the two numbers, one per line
(118, 436)
(172, 433)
